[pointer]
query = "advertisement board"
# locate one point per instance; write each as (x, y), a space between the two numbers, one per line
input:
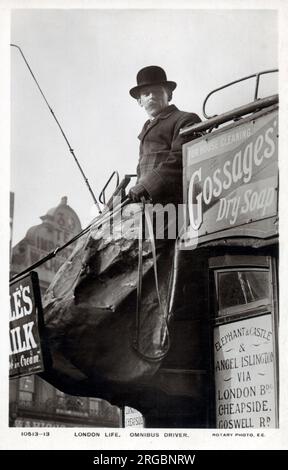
(133, 418)
(244, 371)
(25, 356)
(231, 176)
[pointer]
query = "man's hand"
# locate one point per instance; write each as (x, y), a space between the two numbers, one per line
(137, 192)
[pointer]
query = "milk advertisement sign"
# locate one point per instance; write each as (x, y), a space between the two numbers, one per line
(25, 355)
(230, 177)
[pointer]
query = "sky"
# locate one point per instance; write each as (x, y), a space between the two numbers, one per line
(87, 60)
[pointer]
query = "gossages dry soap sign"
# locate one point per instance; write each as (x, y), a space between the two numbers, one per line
(231, 176)
(26, 355)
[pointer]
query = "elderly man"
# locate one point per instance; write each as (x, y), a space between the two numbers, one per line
(159, 169)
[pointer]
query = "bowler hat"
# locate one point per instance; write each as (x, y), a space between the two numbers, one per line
(152, 75)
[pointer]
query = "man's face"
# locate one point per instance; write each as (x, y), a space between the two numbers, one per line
(153, 99)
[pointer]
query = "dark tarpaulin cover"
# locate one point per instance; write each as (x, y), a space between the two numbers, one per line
(90, 307)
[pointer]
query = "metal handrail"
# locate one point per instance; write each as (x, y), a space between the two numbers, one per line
(234, 114)
(101, 196)
(120, 190)
(257, 75)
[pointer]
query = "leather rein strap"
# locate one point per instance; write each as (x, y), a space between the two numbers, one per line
(164, 342)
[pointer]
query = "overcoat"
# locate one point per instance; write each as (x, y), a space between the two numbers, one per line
(160, 161)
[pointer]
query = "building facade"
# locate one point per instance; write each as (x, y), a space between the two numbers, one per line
(34, 402)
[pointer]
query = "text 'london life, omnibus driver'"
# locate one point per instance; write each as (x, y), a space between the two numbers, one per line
(159, 170)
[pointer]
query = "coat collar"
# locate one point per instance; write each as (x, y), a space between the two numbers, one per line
(150, 124)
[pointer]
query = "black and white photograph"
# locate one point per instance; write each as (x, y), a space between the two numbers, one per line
(141, 208)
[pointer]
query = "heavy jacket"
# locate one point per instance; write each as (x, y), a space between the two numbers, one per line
(160, 162)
